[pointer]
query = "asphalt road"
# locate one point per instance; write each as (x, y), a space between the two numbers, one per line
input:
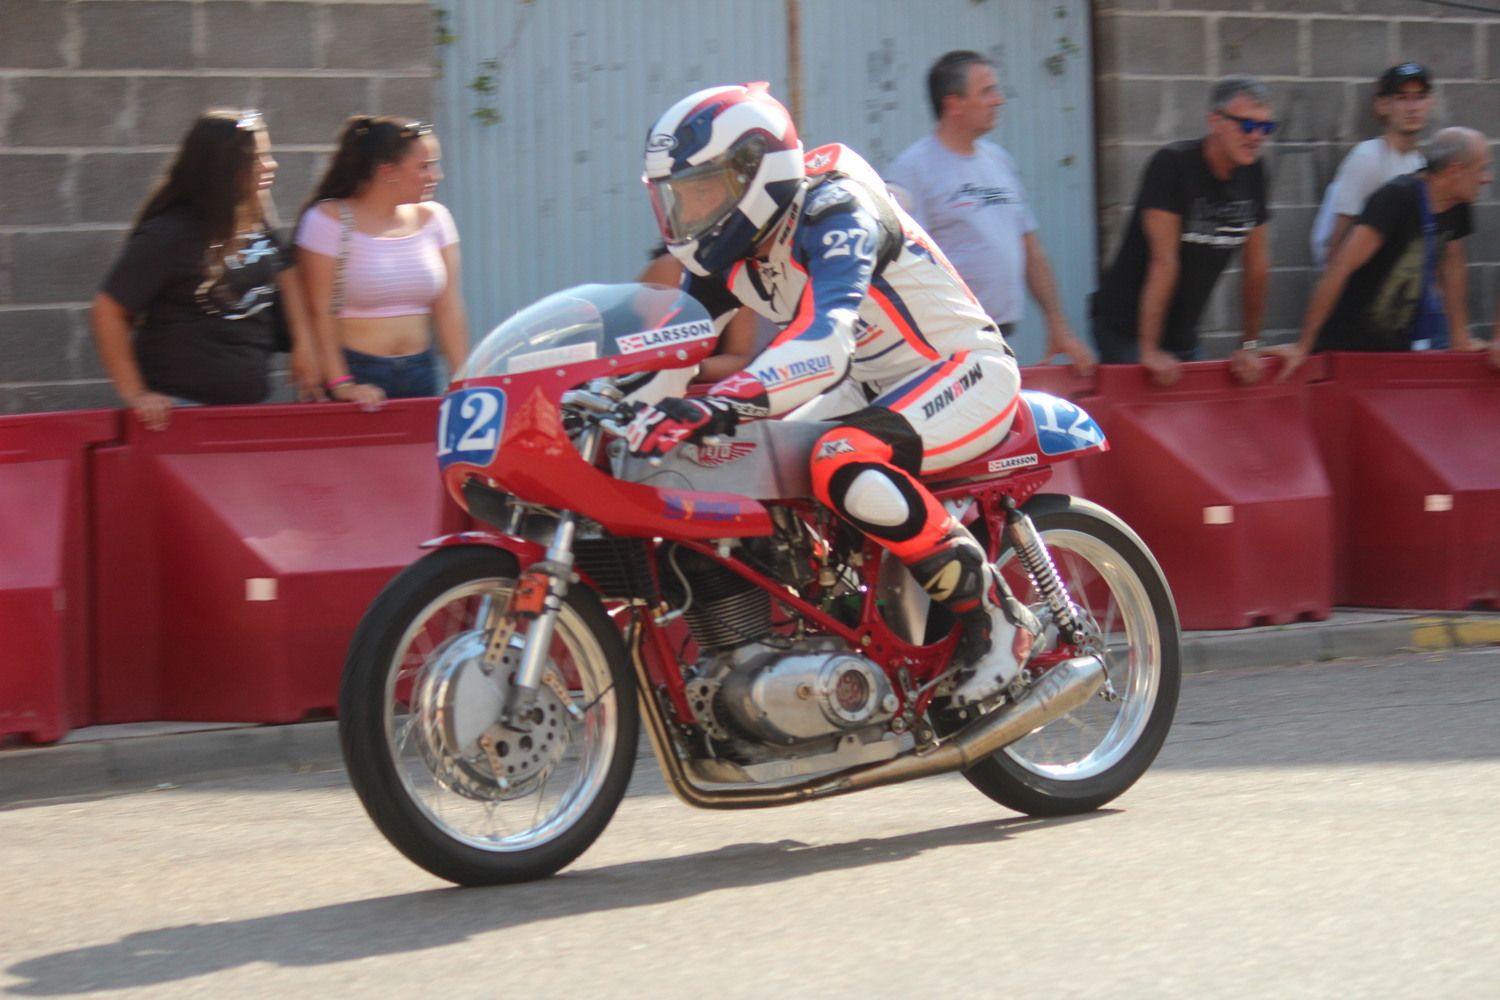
(1327, 830)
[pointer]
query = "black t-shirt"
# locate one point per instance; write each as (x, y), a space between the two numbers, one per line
(1379, 303)
(206, 343)
(1217, 217)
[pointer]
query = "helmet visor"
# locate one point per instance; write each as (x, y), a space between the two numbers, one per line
(694, 201)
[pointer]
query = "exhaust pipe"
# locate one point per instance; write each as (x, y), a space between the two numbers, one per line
(1060, 690)
(1063, 688)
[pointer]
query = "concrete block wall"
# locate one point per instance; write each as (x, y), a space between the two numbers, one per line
(1155, 61)
(95, 95)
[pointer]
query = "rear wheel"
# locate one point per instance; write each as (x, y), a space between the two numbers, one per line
(461, 794)
(1084, 759)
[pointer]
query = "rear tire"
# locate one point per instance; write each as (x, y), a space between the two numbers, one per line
(439, 798)
(1084, 759)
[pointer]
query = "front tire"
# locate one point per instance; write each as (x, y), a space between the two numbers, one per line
(464, 797)
(1081, 761)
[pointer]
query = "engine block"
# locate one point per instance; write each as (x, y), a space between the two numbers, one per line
(816, 690)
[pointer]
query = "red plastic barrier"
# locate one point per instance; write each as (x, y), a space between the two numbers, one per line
(44, 554)
(1225, 485)
(239, 548)
(1412, 448)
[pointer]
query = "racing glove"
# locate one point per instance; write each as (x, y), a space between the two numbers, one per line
(658, 429)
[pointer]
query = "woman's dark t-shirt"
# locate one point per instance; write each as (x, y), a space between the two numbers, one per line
(1379, 303)
(1217, 218)
(206, 344)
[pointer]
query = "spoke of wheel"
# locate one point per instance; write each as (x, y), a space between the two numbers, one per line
(404, 733)
(541, 794)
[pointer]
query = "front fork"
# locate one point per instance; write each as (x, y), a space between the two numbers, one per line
(538, 597)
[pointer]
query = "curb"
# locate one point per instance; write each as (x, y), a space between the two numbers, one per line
(1357, 635)
(89, 767)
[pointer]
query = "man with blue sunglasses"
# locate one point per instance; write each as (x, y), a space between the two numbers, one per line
(1200, 201)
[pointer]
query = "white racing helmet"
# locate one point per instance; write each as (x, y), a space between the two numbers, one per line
(722, 166)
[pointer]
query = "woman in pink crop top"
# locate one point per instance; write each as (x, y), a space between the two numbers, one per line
(379, 260)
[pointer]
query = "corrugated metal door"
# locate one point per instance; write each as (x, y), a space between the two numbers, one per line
(549, 195)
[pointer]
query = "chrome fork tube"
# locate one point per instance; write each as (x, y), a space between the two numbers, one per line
(558, 569)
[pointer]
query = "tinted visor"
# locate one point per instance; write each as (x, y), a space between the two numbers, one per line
(696, 200)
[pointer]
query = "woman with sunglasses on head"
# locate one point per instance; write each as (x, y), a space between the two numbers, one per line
(188, 313)
(379, 261)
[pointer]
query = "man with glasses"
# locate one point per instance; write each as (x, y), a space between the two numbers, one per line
(1200, 201)
(1403, 100)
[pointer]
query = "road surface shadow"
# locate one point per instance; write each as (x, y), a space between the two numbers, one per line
(434, 918)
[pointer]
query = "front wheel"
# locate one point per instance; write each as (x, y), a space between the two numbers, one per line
(1086, 758)
(463, 795)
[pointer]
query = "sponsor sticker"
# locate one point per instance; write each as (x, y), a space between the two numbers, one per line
(686, 508)
(552, 356)
(667, 336)
(1013, 462)
(795, 370)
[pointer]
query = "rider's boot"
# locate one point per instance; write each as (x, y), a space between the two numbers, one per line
(997, 631)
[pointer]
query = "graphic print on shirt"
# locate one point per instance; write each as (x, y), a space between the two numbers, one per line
(969, 195)
(217, 290)
(1225, 224)
(1395, 300)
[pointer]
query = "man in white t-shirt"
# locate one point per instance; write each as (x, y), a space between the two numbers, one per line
(1403, 100)
(964, 191)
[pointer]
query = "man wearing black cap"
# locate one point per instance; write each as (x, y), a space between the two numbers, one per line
(1403, 100)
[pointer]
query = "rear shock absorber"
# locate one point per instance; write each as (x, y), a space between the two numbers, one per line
(1038, 565)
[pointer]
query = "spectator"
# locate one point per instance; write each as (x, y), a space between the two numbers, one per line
(200, 276)
(964, 191)
(380, 262)
(1403, 99)
(744, 337)
(1200, 200)
(1379, 292)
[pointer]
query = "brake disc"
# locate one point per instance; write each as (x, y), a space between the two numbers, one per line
(459, 704)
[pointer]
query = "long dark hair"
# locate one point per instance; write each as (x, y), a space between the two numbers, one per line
(365, 142)
(210, 177)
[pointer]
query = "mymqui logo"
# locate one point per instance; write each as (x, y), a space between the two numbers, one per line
(666, 336)
(955, 389)
(795, 370)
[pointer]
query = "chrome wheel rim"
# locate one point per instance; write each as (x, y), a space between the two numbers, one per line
(1121, 627)
(456, 787)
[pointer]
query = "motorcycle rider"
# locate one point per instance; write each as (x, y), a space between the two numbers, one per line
(879, 334)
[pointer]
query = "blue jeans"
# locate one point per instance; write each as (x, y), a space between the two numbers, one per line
(401, 377)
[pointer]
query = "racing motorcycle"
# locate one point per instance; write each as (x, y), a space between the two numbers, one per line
(494, 691)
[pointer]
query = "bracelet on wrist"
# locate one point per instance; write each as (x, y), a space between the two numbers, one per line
(1253, 344)
(334, 383)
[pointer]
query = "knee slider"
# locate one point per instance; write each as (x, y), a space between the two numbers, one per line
(873, 497)
(878, 500)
